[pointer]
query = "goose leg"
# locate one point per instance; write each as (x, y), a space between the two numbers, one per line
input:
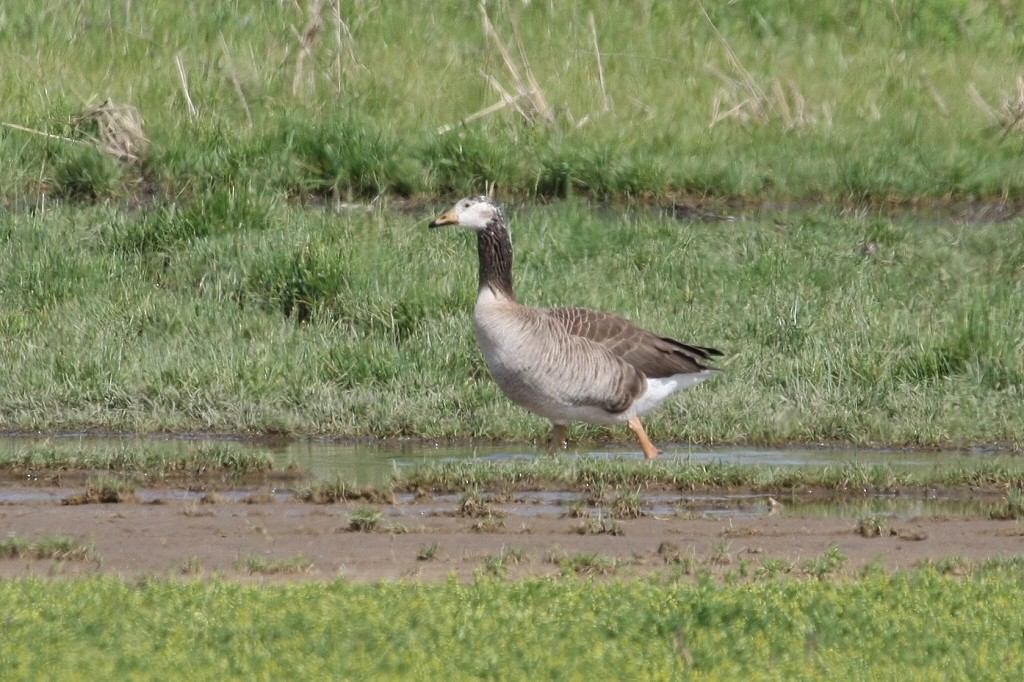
(556, 441)
(650, 452)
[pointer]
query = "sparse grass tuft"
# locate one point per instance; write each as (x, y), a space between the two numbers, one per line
(104, 490)
(496, 565)
(146, 462)
(259, 497)
(873, 527)
(589, 563)
(341, 490)
(192, 566)
(601, 525)
(473, 505)
(58, 548)
(830, 562)
(255, 564)
(365, 520)
(1011, 507)
(721, 555)
(628, 505)
(427, 552)
(771, 568)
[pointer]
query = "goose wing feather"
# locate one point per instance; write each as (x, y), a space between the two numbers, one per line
(652, 355)
(593, 375)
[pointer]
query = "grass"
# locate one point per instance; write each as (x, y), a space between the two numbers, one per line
(589, 564)
(304, 324)
(260, 565)
(427, 552)
(778, 626)
(792, 100)
(497, 565)
(600, 525)
(473, 505)
(364, 520)
(104, 489)
(340, 489)
(57, 547)
(627, 505)
(153, 462)
(584, 474)
(874, 526)
(1011, 507)
(827, 564)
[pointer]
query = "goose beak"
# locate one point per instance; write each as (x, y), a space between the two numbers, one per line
(445, 219)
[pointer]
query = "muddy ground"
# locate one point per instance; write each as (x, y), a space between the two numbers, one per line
(427, 539)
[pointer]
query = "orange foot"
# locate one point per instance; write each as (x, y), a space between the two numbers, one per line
(650, 452)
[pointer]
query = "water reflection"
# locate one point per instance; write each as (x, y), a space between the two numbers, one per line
(375, 463)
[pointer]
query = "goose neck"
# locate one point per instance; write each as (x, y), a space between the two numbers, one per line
(494, 244)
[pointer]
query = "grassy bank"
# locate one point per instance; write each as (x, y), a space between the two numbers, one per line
(769, 629)
(828, 99)
(239, 316)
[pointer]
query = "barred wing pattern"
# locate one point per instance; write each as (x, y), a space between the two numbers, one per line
(654, 356)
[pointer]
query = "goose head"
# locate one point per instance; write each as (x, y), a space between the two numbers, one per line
(476, 214)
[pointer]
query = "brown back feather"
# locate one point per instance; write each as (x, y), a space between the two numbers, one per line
(655, 356)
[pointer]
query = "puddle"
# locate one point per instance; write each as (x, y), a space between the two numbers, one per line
(372, 464)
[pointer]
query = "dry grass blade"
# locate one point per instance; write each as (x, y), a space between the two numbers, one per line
(119, 130)
(730, 54)
(342, 28)
(526, 89)
(940, 103)
(234, 79)
(192, 111)
(307, 39)
(1014, 110)
(755, 105)
(505, 56)
(506, 97)
(486, 111)
(50, 136)
(1009, 115)
(600, 67)
(540, 105)
(343, 39)
(980, 102)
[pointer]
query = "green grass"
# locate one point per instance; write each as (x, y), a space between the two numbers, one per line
(342, 490)
(104, 489)
(260, 565)
(358, 325)
(918, 625)
(364, 520)
(586, 474)
(57, 547)
(152, 462)
(1012, 506)
(828, 99)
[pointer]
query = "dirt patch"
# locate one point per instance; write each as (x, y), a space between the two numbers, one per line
(426, 539)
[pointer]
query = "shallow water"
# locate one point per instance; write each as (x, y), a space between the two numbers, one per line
(363, 463)
(374, 463)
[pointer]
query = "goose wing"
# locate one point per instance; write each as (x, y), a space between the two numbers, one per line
(652, 355)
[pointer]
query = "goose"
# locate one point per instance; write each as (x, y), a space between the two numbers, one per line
(568, 364)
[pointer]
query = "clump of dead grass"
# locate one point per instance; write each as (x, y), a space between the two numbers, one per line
(1009, 114)
(744, 100)
(104, 490)
(115, 130)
